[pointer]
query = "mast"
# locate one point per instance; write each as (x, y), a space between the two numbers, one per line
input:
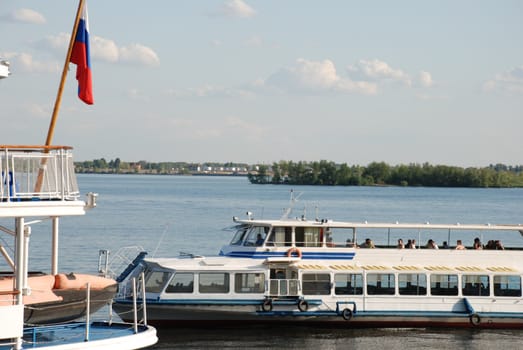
(58, 101)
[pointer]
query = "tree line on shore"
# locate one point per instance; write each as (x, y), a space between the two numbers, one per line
(329, 173)
(380, 173)
(117, 166)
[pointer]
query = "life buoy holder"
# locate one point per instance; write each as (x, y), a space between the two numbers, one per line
(475, 319)
(303, 305)
(292, 251)
(346, 314)
(267, 305)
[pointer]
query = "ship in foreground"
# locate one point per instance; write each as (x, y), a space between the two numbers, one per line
(301, 271)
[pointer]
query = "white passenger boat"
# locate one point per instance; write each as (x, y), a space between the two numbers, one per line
(38, 186)
(301, 271)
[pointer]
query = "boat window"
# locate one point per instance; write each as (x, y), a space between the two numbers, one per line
(280, 237)
(316, 283)
(341, 237)
(256, 236)
(308, 236)
(239, 235)
(156, 280)
(249, 283)
(348, 283)
(380, 284)
(475, 285)
(183, 282)
(507, 286)
(444, 284)
(214, 282)
(412, 284)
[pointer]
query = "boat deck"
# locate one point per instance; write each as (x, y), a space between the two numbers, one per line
(101, 335)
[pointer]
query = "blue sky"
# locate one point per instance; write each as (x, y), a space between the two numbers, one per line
(259, 81)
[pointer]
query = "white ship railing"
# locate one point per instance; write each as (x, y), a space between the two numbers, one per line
(37, 173)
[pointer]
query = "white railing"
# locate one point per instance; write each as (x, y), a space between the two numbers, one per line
(37, 173)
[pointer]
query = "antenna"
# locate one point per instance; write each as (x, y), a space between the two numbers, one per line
(166, 227)
(292, 202)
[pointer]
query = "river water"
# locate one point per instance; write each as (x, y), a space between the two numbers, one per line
(170, 214)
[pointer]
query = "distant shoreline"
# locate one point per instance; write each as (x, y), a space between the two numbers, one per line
(160, 174)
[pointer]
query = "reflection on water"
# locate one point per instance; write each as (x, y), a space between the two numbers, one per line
(287, 337)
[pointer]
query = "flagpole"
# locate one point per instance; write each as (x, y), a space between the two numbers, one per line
(58, 101)
(54, 117)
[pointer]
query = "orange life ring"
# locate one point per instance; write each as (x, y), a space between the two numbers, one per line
(294, 250)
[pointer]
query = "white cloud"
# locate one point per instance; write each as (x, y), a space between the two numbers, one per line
(56, 42)
(379, 71)
(105, 50)
(237, 8)
(137, 53)
(317, 76)
(510, 82)
(25, 16)
(425, 79)
(24, 62)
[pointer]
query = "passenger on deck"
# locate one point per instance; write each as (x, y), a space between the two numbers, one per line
(431, 244)
(491, 245)
(400, 244)
(368, 243)
(477, 244)
(499, 246)
(409, 244)
(413, 244)
(349, 243)
(445, 245)
(459, 245)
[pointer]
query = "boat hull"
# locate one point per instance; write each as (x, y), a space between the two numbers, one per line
(165, 314)
(72, 306)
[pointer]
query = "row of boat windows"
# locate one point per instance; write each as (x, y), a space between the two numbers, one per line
(279, 236)
(343, 283)
(286, 236)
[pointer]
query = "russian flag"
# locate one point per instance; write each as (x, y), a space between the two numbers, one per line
(80, 56)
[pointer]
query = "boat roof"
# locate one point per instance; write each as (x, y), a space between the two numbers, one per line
(204, 263)
(370, 260)
(376, 225)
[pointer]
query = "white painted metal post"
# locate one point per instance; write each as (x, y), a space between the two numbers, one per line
(20, 270)
(134, 307)
(54, 248)
(144, 302)
(111, 312)
(88, 311)
(27, 234)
